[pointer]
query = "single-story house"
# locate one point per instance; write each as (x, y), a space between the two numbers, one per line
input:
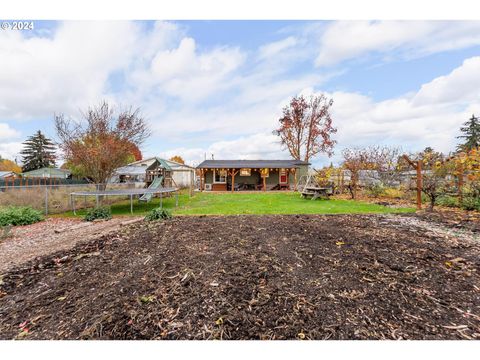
(235, 175)
(143, 172)
(46, 172)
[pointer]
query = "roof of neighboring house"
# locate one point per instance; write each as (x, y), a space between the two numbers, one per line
(6, 173)
(130, 170)
(167, 164)
(252, 164)
(47, 170)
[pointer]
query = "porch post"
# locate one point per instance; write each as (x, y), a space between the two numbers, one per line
(295, 179)
(264, 183)
(232, 174)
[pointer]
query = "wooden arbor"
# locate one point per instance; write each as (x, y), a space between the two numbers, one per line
(418, 166)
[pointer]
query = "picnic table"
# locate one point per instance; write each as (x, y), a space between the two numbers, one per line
(316, 192)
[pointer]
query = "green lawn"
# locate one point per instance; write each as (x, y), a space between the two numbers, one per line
(248, 203)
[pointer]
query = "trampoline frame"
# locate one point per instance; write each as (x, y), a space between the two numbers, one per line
(123, 192)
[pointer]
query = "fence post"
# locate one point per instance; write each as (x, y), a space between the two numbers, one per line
(46, 200)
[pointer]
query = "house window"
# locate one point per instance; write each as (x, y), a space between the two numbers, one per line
(245, 172)
(220, 176)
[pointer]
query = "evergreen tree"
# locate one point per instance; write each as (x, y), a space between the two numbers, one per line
(38, 152)
(471, 133)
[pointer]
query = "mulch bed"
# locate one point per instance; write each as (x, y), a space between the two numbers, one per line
(250, 277)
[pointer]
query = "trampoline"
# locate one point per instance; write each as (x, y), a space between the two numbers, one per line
(123, 192)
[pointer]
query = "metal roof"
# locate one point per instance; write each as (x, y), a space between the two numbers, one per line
(47, 171)
(167, 164)
(131, 170)
(6, 173)
(252, 164)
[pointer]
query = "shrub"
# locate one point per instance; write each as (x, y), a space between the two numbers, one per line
(101, 212)
(23, 215)
(393, 193)
(5, 232)
(158, 214)
(446, 200)
(471, 203)
(375, 190)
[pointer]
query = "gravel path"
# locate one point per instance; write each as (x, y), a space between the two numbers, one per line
(54, 234)
(432, 229)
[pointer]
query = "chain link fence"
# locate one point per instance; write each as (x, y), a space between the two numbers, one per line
(55, 199)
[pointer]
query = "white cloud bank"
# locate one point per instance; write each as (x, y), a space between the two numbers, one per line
(429, 117)
(344, 40)
(226, 92)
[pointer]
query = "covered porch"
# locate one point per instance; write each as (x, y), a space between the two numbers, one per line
(250, 175)
(248, 179)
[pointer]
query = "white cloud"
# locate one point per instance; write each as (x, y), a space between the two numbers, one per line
(274, 48)
(462, 84)
(343, 40)
(188, 74)
(42, 75)
(252, 147)
(10, 150)
(7, 132)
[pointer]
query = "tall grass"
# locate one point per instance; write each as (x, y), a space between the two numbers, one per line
(58, 198)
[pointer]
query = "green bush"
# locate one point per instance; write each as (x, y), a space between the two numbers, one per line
(375, 190)
(24, 215)
(158, 214)
(471, 203)
(394, 193)
(446, 200)
(101, 212)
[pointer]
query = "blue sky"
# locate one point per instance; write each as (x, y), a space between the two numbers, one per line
(219, 86)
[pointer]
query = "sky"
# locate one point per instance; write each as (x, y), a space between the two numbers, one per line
(218, 87)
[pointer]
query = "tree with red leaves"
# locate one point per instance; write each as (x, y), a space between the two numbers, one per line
(306, 127)
(102, 143)
(136, 153)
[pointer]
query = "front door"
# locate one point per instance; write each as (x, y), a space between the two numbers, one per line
(283, 176)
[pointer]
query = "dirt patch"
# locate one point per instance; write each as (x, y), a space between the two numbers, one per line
(46, 237)
(251, 277)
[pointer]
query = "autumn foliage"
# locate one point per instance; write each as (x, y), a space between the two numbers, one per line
(9, 165)
(178, 159)
(104, 142)
(306, 127)
(135, 152)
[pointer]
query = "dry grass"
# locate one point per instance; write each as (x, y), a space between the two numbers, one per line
(58, 198)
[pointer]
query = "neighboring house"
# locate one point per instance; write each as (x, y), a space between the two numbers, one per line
(6, 175)
(144, 171)
(46, 172)
(223, 175)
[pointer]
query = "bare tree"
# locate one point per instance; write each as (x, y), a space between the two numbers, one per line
(357, 159)
(386, 158)
(434, 176)
(306, 127)
(103, 142)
